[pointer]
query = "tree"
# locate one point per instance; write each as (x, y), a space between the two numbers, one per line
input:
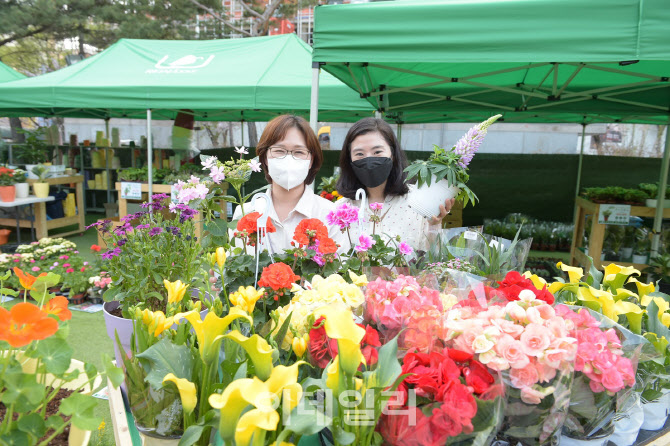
(259, 12)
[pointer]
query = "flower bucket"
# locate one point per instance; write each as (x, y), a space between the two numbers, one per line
(655, 414)
(590, 441)
(4, 236)
(639, 259)
(7, 193)
(426, 200)
(41, 190)
(148, 440)
(627, 427)
(22, 190)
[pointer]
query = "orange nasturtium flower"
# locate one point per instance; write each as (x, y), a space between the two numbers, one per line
(58, 307)
(27, 280)
(25, 323)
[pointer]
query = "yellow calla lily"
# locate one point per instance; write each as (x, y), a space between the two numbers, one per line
(175, 290)
(602, 298)
(538, 282)
(233, 401)
(246, 298)
(615, 275)
(156, 322)
(283, 376)
(357, 280)
(661, 345)
(220, 257)
(663, 306)
(300, 344)
(258, 350)
(622, 293)
(574, 273)
(333, 375)
(633, 314)
(350, 355)
(187, 391)
(555, 287)
(210, 330)
(643, 290)
(339, 323)
(253, 425)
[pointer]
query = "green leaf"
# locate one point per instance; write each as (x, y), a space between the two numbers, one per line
(115, 374)
(307, 419)
(15, 438)
(91, 370)
(32, 424)
(192, 435)
(258, 350)
(56, 354)
(281, 334)
(81, 408)
(53, 422)
(388, 368)
(343, 437)
(165, 357)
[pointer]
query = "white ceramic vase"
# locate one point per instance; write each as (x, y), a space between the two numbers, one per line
(569, 441)
(426, 200)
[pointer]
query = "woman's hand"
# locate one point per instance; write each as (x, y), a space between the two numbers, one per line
(444, 210)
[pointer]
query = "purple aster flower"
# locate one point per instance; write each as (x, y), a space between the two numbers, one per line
(405, 249)
(174, 230)
(365, 242)
(155, 231)
(122, 242)
(111, 254)
(145, 226)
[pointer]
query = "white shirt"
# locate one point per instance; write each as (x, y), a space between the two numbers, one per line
(397, 219)
(309, 206)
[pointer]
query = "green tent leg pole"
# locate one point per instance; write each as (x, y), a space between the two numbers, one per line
(579, 173)
(242, 130)
(314, 98)
(107, 130)
(660, 199)
(150, 158)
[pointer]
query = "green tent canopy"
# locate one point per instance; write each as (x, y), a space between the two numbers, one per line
(532, 60)
(251, 79)
(9, 74)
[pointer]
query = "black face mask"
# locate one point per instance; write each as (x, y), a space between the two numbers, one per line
(373, 170)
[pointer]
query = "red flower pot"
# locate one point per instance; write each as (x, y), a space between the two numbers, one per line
(7, 193)
(4, 236)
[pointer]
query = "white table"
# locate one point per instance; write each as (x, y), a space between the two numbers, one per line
(17, 203)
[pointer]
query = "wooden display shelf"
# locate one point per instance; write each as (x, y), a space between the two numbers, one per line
(597, 236)
(42, 225)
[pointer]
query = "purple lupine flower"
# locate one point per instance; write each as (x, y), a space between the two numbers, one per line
(405, 249)
(468, 145)
(365, 242)
(155, 231)
(343, 216)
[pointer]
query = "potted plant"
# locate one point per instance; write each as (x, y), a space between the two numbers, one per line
(642, 246)
(134, 174)
(41, 188)
(22, 186)
(445, 174)
(35, 151)
(99, 284)
(7, 181)
(76, 280)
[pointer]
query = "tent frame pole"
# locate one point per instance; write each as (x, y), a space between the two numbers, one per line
(150, 157)
(660, 199)
(314, 101)
(579, 173)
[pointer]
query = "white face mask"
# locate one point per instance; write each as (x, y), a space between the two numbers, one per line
(288, 172)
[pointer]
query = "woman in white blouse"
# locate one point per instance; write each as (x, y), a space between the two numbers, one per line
(290, 155)
(372, 159)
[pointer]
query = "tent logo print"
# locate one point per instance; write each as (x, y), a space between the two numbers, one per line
(184, 64)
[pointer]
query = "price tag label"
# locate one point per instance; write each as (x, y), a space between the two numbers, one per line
(614, 214)
(470, 235)
(131, 191)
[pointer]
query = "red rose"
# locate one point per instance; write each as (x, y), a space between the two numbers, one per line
(478, 377)
(514, 283)
(278, 276)
(309, 229)
(319, 345)
(249, 223)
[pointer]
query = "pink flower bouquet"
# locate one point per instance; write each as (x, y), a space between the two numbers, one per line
(400, 304)
(530, 344)
(604, 372)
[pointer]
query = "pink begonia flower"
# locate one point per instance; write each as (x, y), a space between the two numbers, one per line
(365, 242)
(69, 270)
(376, 206)
(66, 265)
(255, 165)
(535, 339)
(405, 249)
(83, 268)
(35, 268)
(32, 260)
(217, 174)
(524, 377)
(530, 395)
(242, 150)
